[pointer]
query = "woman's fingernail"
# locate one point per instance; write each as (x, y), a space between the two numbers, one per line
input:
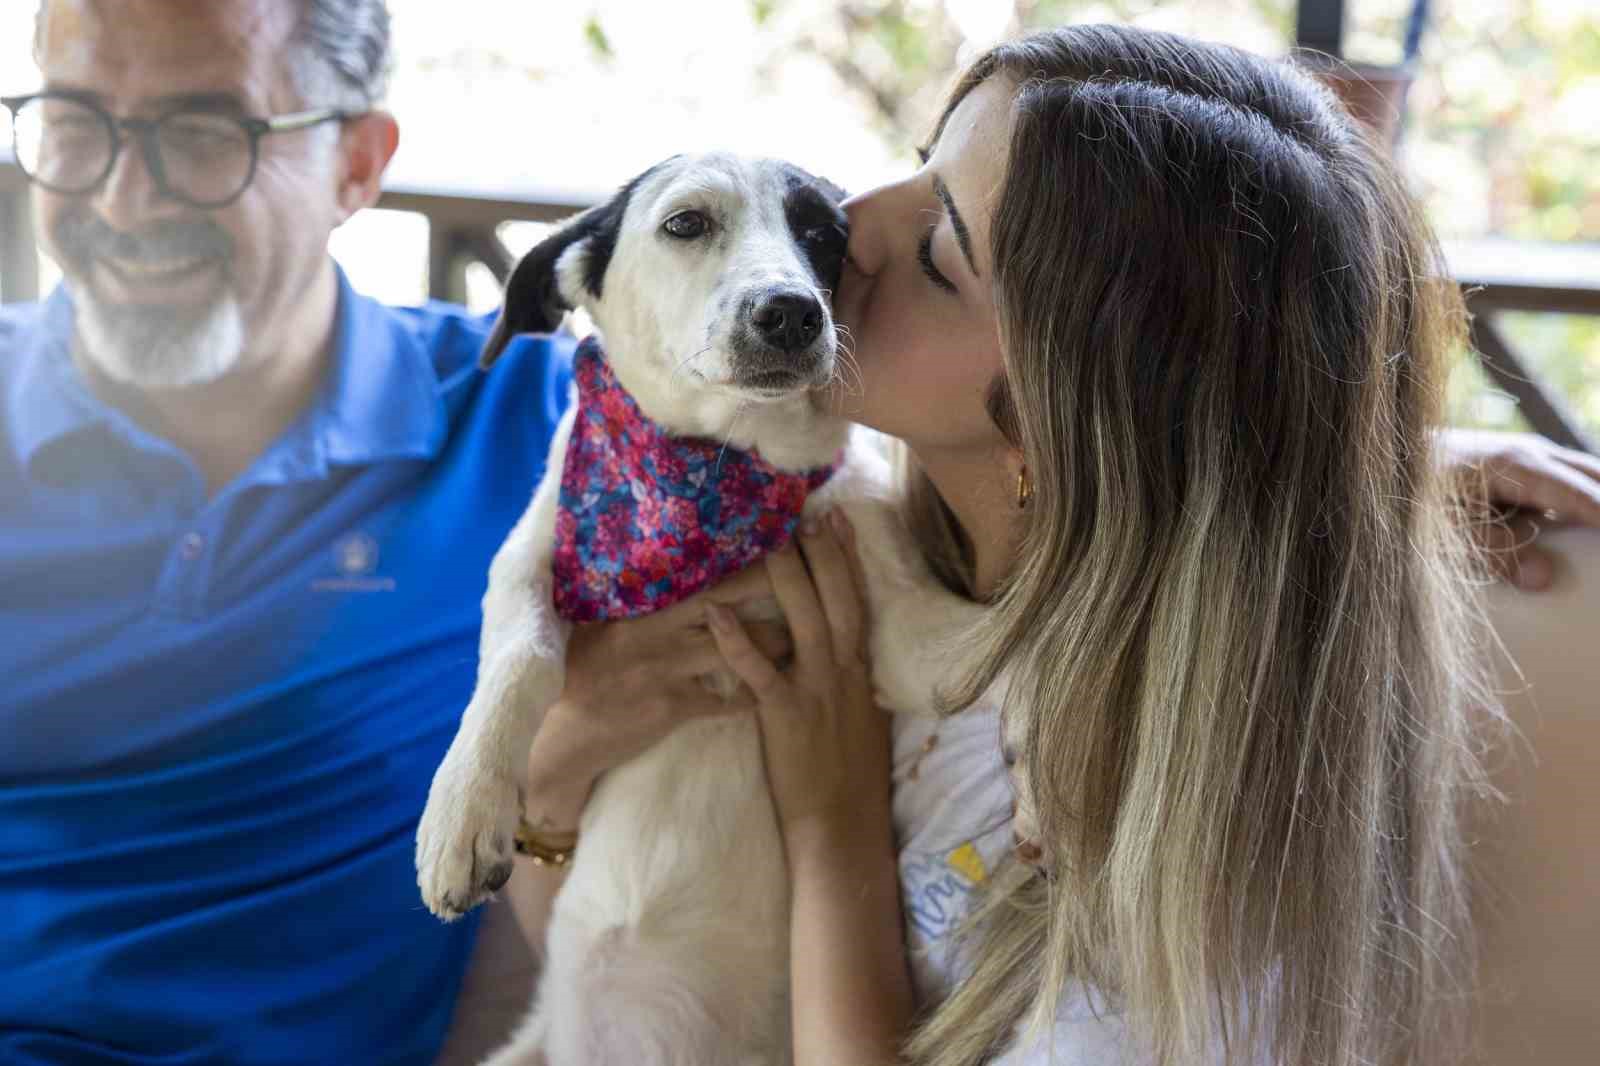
(717, 616)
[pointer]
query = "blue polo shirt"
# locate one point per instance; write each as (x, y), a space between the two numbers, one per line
(219, 718)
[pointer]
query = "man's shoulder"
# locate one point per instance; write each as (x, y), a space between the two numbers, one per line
(18, 322)
(454, 337)
(451, 334)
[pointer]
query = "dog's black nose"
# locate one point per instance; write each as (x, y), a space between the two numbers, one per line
(788, 321)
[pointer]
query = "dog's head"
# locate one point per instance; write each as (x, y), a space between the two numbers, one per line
(712, 266)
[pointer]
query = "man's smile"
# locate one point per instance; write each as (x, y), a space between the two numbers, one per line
(143, 278)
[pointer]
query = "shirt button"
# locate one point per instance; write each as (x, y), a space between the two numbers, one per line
(190, 547)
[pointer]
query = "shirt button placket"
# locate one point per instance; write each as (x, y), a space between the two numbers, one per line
(191, 547)
(184, 580)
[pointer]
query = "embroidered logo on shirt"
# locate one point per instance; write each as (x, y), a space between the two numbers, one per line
(355, 556)
(647, 519)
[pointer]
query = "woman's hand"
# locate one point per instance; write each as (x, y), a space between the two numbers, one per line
(630, 683)
(825, 742)
(1524, 476)
(826, 746)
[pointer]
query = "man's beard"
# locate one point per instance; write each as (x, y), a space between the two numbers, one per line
(152, 346)
(160, 347)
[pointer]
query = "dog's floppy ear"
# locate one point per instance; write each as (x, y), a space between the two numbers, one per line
(827, 188)
(535, 299)
(534, 302)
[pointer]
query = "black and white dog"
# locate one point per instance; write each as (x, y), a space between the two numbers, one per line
(709, 279)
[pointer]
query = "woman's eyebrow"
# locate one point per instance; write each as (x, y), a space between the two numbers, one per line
(957, 223)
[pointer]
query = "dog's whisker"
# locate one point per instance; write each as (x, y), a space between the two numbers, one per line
(847, 371)
(733, 427)
(686, 360)
(682, 364)
(849, 374)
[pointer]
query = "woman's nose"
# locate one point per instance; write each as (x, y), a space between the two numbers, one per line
(887, 221)
(865, 212)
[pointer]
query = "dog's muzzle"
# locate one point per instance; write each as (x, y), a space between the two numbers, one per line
(787, 322)
(777, 347)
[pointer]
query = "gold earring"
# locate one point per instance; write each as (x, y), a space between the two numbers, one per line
(1024, 489)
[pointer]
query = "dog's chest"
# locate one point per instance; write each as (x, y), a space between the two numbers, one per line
(645, 518)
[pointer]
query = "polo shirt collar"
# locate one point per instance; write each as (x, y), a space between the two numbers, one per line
(47, 400)
(381, 399)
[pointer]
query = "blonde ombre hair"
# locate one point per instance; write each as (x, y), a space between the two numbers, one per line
(1240, 636)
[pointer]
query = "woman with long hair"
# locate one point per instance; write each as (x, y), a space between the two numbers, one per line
(1165, 340)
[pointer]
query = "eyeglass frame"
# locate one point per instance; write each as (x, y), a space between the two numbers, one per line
(143, 130)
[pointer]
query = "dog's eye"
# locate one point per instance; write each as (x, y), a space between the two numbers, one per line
(686, 225)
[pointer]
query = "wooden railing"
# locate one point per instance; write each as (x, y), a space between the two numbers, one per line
(1503, 275)
(463, 227)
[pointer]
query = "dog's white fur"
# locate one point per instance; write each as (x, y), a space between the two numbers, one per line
(668, 943)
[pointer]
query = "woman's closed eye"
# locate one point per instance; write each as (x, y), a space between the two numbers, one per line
(925, 258)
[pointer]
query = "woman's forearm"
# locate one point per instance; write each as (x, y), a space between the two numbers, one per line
(851, 1000)
(553, 800)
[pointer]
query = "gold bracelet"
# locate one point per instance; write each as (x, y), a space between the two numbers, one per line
(545, 848)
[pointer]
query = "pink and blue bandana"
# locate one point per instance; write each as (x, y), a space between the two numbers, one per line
(648, 519)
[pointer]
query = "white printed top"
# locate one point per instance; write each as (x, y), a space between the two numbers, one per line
(952, 815)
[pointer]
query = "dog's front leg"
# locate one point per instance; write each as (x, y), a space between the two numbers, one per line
(465, 839)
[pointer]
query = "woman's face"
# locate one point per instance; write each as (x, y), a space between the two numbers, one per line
(917, 292)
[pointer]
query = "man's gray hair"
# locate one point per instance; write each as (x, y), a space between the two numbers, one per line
(341, 51)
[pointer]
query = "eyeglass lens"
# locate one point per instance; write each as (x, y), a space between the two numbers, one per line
(68, 146)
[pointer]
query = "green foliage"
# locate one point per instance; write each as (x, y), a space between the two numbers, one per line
(595, 35)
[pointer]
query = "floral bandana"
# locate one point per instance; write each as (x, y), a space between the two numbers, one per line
(648, 519)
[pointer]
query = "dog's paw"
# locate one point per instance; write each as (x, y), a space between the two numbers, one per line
(464, 842)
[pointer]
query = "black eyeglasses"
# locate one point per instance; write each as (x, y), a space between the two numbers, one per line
(69, 144)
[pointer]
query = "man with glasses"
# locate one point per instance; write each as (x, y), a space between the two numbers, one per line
(245, 521)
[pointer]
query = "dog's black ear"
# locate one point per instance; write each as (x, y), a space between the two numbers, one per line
(812, 207)
(830, 190)
(534, 300)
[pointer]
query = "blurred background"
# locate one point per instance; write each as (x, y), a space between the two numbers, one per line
(512, 113)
